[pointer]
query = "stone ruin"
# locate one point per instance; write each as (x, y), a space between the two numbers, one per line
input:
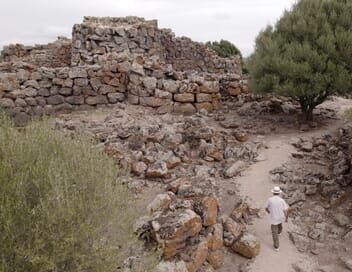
(111, 60)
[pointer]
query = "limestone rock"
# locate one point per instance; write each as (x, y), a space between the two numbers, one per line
(301, 242)
(210, 206)
(96, 100)
(6, 103)
(198, 257)
(171, 267)
(55, 100)
(341, 219)
(233, 228)
(184, 108)
(160, 202)
(248, 246)
(157, 170)
(347, 263)
(201, 98)
(78, 72)
(216, 258)
(139, 168)
(215, 239)
(234, 169)
(184, 97)
(149, 83)
(116, 97)
(175, 228)
(152, 101)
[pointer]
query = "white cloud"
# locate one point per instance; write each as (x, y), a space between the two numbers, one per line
(34, 21)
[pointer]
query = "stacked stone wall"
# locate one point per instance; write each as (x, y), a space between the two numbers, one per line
(112, 60)
(56, 54)
(26, 90)
(96, 37)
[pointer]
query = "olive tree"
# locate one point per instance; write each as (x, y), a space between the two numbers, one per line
(307, 55)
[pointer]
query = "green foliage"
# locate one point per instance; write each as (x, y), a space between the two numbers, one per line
(307, 55)
(62, 206)
(224, 49)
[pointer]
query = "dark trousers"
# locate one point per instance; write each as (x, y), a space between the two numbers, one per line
(276, 230)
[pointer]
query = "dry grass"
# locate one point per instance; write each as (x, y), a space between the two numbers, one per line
(62, 205)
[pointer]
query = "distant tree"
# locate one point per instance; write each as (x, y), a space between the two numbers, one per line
(307, 55)
(224, 48)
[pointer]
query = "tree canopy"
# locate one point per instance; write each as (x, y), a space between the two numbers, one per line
(307, 55)
(224, 48)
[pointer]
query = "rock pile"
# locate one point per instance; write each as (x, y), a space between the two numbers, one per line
(186, 157)
(186, 223)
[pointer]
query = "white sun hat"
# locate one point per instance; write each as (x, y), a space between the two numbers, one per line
(276, 190)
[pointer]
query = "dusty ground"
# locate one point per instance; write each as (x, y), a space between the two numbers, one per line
(270, 133)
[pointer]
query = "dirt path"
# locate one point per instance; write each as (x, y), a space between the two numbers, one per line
(255, 184)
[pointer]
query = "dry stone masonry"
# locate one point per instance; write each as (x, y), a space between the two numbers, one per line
(111, 60)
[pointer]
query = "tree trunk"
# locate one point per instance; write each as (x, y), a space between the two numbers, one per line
(307, 111)
(308, 115)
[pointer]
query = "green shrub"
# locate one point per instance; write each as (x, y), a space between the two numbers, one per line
(224, 48)
(62, 207)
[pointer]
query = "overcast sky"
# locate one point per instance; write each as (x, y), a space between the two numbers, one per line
(239, 21)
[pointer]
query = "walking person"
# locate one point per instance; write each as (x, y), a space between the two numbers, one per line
(278, 211)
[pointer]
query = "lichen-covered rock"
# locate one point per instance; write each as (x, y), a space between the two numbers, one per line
(139, 168)
(215, 239)
(157, 170)
(210, 206)
(234, 169)
(174, 228)
(248, 246)
(160, 202)
(198, 257)
(78, 72)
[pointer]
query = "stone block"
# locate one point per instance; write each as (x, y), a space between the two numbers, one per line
(184, 97)
(184, 108)
(96, 100)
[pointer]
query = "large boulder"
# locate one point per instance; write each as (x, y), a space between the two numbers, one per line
(174, 228)
(248, 246)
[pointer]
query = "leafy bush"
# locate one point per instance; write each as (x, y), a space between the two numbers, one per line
(224, 48)
(307, 55)
(62, 207)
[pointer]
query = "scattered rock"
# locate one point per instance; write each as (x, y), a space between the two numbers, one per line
(234, 169)
(157, 170)
(248, 246)
(171, 267)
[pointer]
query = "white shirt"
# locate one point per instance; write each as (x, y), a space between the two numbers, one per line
(276, 206)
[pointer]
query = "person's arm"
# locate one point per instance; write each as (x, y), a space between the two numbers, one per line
(287, 211)
(267, 207)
